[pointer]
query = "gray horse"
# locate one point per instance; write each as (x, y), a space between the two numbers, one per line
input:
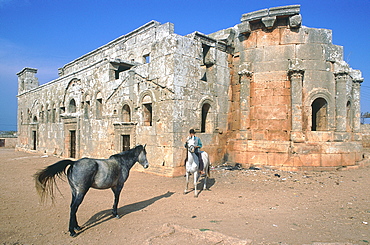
(85, 173)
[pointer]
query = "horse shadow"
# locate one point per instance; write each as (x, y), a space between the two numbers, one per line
(106, 215)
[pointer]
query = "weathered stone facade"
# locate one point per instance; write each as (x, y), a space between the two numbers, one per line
(267, 91)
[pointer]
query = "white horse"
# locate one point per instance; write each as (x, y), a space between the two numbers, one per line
(192, 166)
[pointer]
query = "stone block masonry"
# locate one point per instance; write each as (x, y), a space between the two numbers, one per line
(267, 91)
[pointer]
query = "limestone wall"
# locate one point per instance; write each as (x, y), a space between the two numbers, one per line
(365, 129)
(267, 91)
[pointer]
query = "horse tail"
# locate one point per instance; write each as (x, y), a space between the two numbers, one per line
(45, 181)
(208, 172)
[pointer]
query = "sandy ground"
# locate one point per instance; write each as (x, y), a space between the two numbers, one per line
(241, 207)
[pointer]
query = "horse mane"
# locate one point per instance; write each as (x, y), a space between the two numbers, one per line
(128, 152)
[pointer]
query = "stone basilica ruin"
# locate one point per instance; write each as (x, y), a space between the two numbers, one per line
(265, 92)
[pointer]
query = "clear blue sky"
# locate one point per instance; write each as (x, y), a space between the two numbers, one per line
(46, 34)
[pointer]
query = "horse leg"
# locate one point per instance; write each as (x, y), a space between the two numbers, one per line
(76, 201)
(206, 170)
(117, 191)
(196, 177)
(187, 183)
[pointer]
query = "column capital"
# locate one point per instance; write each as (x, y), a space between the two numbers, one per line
(296, 69)
(295, 73)
(245, 73)
(245, 70)
(341, 75)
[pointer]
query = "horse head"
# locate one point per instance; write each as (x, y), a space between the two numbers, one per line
(142, 157)
(190, 144)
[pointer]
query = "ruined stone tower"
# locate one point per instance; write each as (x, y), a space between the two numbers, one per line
(267, 91)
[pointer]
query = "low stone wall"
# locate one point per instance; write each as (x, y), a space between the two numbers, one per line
(365, 129)
(8, 142)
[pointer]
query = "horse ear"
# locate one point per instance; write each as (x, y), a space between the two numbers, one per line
(144, 146)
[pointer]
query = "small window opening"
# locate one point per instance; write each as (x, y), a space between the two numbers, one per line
(126, 113)
(146, 58)
(72, 106)
(147, 114)
(349, 117)
(120, 69)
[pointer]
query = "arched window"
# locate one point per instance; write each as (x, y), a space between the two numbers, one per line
(349, 117)
(126, 114)
(205, 111)
(147, 110)
(72, 106)
(319, 115)
(35, 119)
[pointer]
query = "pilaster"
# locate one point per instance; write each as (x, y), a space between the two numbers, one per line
(296, 73)
(340, 100)
(356, 87)
(245, 76)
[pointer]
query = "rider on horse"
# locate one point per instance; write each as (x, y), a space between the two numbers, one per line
(198, 145)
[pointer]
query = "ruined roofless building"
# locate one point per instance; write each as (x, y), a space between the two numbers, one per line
(268, 91)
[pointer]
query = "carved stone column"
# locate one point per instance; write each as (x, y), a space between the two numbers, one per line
(245, 77)
(296, 83)
(296, 73)
(356, 85)
(341, 101)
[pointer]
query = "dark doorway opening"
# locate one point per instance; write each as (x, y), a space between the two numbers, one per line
(72, 144)
(34, 140)
(125, 142)
(319, 115)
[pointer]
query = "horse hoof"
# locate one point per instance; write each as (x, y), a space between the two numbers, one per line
(73, 234)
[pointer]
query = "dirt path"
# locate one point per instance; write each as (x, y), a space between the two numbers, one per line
(242, 207)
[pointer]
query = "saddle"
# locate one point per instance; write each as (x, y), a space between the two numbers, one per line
(201, 164)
